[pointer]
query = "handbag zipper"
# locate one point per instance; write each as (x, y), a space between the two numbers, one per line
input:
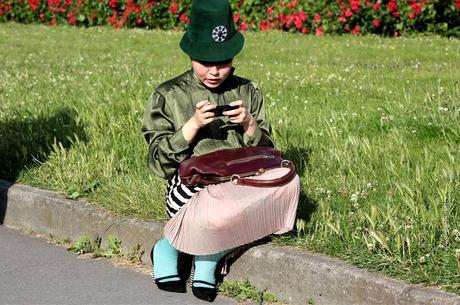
(258, 172)
(251, 158)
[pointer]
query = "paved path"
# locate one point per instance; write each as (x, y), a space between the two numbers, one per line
(32, 271)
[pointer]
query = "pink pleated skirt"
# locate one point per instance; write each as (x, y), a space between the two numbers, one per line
(225, 216)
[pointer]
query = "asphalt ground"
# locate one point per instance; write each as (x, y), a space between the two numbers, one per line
(34, 271)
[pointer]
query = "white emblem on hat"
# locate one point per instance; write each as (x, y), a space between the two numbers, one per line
(219, 33)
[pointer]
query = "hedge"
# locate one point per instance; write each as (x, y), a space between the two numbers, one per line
(384, 17)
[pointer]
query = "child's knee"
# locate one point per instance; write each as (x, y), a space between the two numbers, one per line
(219, 223)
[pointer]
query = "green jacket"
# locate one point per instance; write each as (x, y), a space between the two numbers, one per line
(172, 104)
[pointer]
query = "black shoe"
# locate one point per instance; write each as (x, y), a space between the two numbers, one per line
(203, 293)
(171, 286)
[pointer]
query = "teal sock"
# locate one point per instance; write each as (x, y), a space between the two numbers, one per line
(205, 268)
(165, 261)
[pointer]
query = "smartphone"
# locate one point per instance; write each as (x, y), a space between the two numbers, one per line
(218, 111)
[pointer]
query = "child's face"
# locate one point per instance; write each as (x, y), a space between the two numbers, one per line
(212, 74)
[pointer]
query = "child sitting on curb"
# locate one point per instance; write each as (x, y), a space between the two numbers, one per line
(180, 122)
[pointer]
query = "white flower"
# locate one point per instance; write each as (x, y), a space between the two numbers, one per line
(354, 197)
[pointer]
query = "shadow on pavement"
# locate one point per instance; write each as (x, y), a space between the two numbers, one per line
(3, 199)
(27, 141)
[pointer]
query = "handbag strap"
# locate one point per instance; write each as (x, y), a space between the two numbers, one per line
(269, 183)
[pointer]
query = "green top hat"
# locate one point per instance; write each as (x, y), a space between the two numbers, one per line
(211, 35)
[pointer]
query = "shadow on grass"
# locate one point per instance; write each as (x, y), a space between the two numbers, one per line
(26, 142)
(300, 156)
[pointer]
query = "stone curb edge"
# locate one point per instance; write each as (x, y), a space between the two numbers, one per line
(296, 276)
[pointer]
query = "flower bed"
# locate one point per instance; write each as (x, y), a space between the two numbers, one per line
(386, 17)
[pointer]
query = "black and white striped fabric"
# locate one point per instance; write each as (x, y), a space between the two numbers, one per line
(178, 194)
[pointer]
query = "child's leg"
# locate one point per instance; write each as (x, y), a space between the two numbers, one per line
(165, 269)
(204, 279)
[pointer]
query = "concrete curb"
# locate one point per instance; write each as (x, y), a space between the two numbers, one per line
(293, 275)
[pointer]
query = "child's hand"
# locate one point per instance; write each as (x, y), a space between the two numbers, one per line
(240, 115)
(200, 118)
(203, 116)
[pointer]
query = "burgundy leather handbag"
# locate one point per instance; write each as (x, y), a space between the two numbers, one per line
(236, 165)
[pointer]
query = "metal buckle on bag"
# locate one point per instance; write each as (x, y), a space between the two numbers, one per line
(234, 178)
(259, 172)
(285, 163)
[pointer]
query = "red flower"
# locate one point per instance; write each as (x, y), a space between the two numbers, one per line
(411, 15)
(263, 26)
(113, 3)
(298, 23)
(53, 22)
(376, 23)
(415, 7)
(317, 18)
(348, 13)
(355, 31)
(174, 9)
(392, 6)
(41, 16)
(342, 18)
(33, 4)
(236, 17)
(54, 2)
(270, 10)
(72, 20)
(304, 30)
(244, 26)
(182, 17)
(355, 4)
(319, 31)
(292, 5)
(376, 6)
(302, 16)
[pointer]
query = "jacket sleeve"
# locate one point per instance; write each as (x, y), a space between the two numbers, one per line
(262, 135)
(167, 146)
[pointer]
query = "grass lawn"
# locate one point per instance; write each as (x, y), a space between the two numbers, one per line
(372, 124)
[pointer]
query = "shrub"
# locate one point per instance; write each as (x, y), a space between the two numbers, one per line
(384, 17)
